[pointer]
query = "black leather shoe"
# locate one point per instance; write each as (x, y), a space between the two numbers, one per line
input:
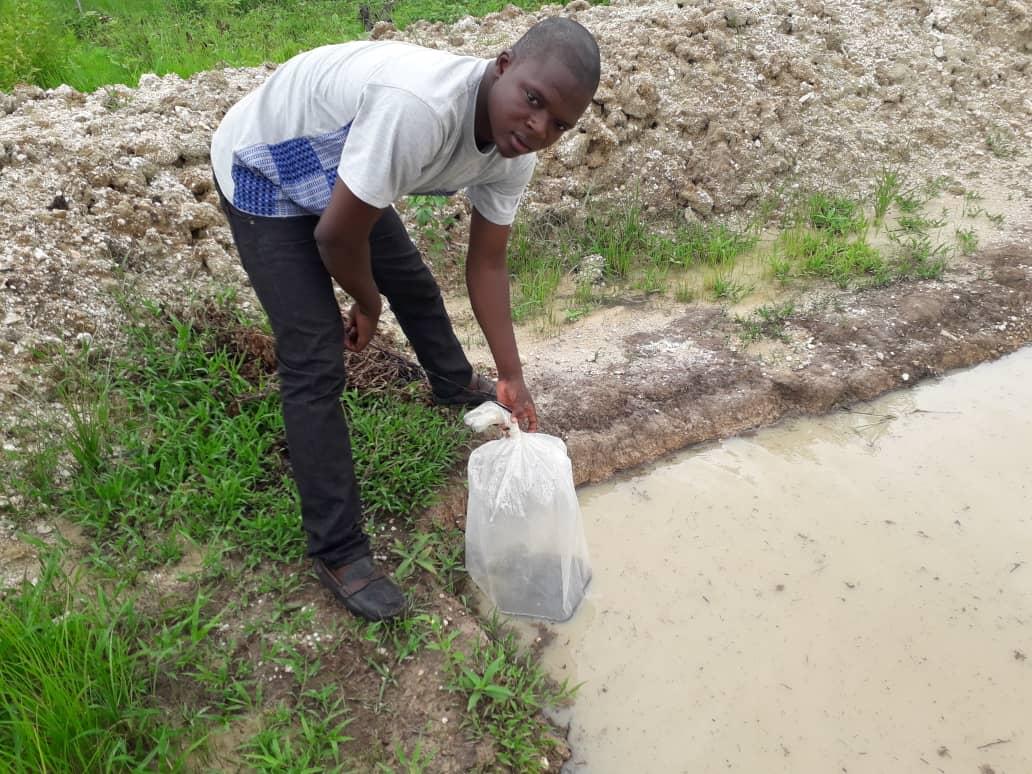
(480, 390)
(363, 588)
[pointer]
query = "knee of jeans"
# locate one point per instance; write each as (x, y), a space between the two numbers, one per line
(311, 379)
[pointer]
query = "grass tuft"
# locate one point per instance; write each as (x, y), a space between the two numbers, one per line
(886, 187)
(304, 736)
(967, 240)
(835, 214)
(766, 321)
(73, 685)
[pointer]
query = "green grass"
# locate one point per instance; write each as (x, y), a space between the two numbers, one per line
(620, 236)
(836, 214)
(967, 240)
(49, 42)
(431, 221)
(74, 683)
(831, 256)
(685, 292)
(918, 258)
(886, 187)
(826, 238)
(710, 245)
(971, 207)
(178, 437)
(144, 691)
(535, 289)
(638, 252)
(309, 735)
(919, 223)
(1001, 142)
(724, 287)
(403, 451)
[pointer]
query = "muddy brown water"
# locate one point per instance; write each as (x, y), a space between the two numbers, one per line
(851, 593)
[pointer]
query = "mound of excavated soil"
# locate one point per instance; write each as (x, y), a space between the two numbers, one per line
(703, 107)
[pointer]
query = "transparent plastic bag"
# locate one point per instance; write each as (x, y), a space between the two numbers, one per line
(525, 544)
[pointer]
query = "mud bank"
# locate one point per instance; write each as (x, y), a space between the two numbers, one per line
(682, 377)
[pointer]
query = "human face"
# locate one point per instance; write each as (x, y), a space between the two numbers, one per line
(531, 104)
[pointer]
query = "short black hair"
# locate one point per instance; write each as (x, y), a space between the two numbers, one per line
(567, 41)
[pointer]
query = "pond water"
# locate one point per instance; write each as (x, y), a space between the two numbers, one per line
(851, 593)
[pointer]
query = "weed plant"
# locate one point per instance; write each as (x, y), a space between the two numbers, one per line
(307, 736)
(709, 245)
(724, 287)
(886, 187)
(403, 451)
(837, 215)
(766, 321)
(827, 255)
(1001, 143)
(505, 691)
(621, 237)
(417, 761)
(685, 292)
(967, 240)
(918, 258)
(641, 253)
(971, 207)
(828, 239)
(433, 225)
(910, 201)
(919, 223)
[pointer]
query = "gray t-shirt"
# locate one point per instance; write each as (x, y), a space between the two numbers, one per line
(388, 118)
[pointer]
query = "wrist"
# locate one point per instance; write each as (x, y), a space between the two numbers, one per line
(371, 304)
(510, 375)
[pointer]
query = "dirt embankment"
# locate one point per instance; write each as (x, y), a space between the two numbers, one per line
(686, 380)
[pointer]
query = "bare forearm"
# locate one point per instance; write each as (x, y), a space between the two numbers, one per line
(350, 266)
(342, 235)
(489, 297)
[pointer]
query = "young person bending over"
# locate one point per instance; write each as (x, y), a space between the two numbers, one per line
(308, 166)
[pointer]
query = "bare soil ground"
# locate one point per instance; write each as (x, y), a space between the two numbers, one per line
(705, 108)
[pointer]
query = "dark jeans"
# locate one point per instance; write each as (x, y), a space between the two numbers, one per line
(282, 261)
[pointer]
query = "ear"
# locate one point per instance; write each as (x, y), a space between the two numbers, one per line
(503, 61)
